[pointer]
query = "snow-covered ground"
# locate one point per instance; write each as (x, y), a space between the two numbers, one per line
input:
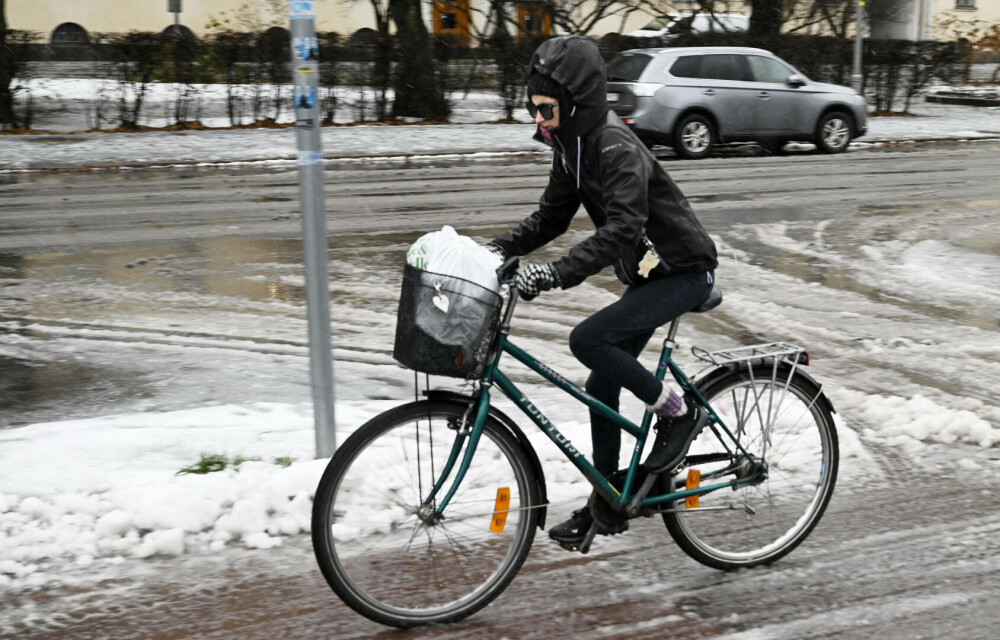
(97, 492)
(65, 99)
(94, 492)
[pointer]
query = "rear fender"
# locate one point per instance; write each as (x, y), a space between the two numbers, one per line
(511, 426)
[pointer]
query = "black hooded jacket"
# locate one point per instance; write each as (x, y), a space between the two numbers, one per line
(598, 162)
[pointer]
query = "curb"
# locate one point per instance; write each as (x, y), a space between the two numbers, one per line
(963, 100)
(181, 164)
(393, 155)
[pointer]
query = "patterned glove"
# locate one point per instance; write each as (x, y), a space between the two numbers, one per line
(496, 249)
(532, 279)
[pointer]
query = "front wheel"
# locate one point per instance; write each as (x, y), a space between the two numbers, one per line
(834, 132)
(694, 136)
(783, 420)
(376, 540)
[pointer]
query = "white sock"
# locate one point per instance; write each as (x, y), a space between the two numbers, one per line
(668, 404)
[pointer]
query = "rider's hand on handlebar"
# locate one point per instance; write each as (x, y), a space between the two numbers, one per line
(532, 279)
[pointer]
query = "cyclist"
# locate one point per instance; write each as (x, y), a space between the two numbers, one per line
(645, 228)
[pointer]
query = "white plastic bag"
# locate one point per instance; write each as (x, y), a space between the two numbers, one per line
(450, 254)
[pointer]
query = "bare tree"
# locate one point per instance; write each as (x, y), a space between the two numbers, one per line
(418, 92)
(580, 16)
(382, 64)
(766, 17)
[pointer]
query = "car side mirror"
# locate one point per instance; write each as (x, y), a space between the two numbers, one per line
(795, 80)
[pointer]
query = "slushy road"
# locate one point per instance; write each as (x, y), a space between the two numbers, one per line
(882, 261)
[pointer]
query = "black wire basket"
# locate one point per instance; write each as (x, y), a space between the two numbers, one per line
(445, 324)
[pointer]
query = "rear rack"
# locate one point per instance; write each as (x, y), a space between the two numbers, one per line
(776, 350)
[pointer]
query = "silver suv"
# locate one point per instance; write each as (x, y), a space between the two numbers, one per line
(693, 98)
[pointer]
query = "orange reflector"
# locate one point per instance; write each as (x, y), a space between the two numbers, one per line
(500, 510)
(693, 482)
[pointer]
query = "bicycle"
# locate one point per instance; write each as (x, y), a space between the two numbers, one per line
(407, 534)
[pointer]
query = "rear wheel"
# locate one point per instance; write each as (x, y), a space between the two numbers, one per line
(787, 424)
(379, 546)
(834, 132)
(694, 137)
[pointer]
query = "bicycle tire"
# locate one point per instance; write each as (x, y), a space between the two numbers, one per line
(801, 462)
(385, 562)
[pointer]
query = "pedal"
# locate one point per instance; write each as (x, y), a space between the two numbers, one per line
(589, 538)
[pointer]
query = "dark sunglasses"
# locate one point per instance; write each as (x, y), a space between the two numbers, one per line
(547, 109)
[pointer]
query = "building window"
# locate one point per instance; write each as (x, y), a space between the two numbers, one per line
(70, 33)
(967, 5)
(451, 18)
(533, 19)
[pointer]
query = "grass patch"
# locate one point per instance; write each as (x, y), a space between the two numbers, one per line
(213, 462)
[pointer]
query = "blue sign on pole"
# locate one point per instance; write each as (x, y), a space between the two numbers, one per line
(306, 49)
(304, 97)
(301, 10)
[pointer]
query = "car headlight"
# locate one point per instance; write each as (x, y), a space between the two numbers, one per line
(645, 89)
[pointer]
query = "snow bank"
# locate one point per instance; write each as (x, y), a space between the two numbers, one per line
(909, 424)
(105, 489)
(96, 492)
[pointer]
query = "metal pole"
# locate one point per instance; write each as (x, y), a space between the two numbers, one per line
(856, 77)
(305, 66)
(174, 7)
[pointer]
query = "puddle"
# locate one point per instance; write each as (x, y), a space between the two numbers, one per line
(33, 391)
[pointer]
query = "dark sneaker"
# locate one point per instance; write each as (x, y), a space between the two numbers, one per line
(574, 530)
(674, 436)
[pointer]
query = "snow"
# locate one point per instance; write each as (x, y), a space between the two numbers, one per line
(66, 98)
(910, 423)
(93, 492)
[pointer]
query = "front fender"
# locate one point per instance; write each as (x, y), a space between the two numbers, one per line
(511, 426)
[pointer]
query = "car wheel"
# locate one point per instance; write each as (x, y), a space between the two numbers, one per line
(834, 132)
(694, 137)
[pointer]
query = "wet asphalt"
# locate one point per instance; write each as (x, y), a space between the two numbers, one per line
(908, 549)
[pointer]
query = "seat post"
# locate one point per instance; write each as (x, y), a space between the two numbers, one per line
(673, 331)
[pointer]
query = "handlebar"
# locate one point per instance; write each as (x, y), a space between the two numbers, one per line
(507, 272)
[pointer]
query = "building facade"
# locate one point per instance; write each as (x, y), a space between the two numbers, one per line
(921, 19)
(69, 21)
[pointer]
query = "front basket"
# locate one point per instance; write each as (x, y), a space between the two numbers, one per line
(445, 324)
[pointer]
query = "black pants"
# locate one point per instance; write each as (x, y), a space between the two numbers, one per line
(610, 341)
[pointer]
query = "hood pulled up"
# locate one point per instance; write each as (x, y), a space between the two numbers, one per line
(576, 64)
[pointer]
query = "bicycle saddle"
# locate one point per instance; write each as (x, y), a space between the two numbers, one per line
(713, 300)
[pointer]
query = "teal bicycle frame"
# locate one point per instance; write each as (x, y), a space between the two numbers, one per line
(619, 500)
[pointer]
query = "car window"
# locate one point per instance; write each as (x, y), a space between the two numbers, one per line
(724, 67)
(687, 67)
(711, 67)
(768, 70)
(627, 67)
